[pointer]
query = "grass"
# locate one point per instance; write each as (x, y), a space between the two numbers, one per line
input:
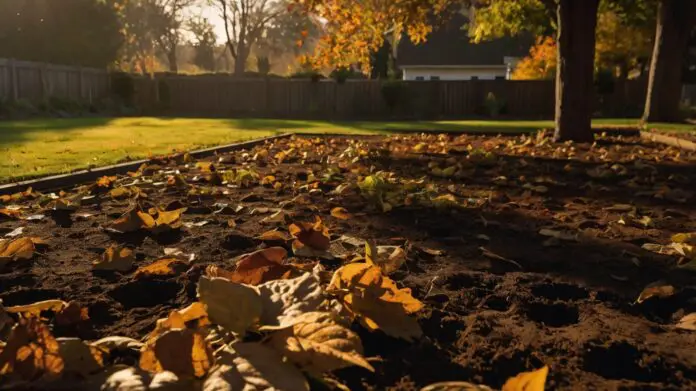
(39, 147)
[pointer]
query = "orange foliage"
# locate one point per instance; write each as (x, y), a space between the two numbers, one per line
(541, 62)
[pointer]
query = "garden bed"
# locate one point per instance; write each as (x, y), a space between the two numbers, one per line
(524, 253)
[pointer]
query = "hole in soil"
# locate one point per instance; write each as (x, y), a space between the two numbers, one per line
(497, 303)
(460, 281)
(624, 361)
(237, 241)
(553, 315)
(561, 292)
(442, 327)
(28, 296)
(145, 293)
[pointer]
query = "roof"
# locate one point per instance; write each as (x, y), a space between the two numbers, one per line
(450, 45)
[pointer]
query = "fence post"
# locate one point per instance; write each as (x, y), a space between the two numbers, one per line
(13, 77)
(80, 84)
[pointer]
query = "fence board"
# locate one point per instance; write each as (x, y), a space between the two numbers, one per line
(36, 82)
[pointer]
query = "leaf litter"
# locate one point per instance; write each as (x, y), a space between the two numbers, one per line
(295, 296)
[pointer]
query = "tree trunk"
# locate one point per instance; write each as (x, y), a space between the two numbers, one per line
(675, 19)
(577, 20)
(240, 61)
(171, 58)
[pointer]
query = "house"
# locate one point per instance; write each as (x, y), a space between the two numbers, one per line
(448, 54)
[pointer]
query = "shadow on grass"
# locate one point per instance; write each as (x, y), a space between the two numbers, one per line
(18, 131)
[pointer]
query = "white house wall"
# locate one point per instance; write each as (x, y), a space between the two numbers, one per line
(482, 73)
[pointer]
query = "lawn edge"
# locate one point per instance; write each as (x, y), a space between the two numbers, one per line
(73, 178)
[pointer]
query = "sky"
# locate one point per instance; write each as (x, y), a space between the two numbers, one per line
(212, 14)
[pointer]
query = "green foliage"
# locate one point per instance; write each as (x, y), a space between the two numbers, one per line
(341, 74)
(493, 105)
(71, 32)
(499, 18)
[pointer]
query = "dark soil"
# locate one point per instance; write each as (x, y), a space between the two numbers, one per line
(570, 306)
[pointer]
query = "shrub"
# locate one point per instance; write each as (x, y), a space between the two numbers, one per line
(493, 105)
(123, 87)
(394, 92)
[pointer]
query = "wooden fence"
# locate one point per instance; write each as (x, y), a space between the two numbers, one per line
(36, 82)
(223, 96)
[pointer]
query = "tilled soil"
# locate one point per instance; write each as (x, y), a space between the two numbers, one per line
(500, 297)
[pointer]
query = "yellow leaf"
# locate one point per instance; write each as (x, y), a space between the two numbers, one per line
(16, 250)
(314, 235)
(115, 258)
(236, 307)
(528, 381)
(341, 213)
(317, 344)
(656, 289)
(274, 235)
(183, 352)
(35, 309)
(30, 352)
(161, 267)
(387, 258)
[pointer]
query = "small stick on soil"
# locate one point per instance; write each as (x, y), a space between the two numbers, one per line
(489, 254)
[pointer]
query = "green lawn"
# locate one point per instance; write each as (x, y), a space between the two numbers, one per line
(47, 146)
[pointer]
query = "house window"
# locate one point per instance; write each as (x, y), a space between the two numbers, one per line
(420, 78)
(434, 77)
(474, 77)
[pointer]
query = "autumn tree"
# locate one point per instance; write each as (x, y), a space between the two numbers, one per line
(165, 19)
(540, 63)
(203, 43)
(245, 22)
(675, 21)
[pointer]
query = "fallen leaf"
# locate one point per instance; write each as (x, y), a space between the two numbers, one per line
(277, 217)
(274, 235)
(61, 205)
(236, 307)
(456, 386)
(177, 253)
(115, 258)
(115, 342)
(130, 379)
(317, 343)
(80, 357)
(314, 235)
(657, 289)
(561, 235)
(30, 352)
(341, 213)
(10, 213)
(253, 367)
(128, 222)
(688, 322)
(527, 381)
(35, 309)
(257, 267)
(388, 258)
(283, 300)
(376, 300)
(161, 267)
(21, 249)
(183, 352)
(15, 232)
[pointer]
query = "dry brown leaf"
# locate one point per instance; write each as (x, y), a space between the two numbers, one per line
(181, 351)
(388, 258)
(21, 249)
(115, 258)
(80, 357)
(260, 266)
(253, 367)
(35, 309)
(161, 267)
(376, 300)
(283, 300)
(179, 319)
(274, 235)
(61, 204)
(456, 386)
(71, 314)
(688, 322)
(314, 235)
(10, 213)
(341, 213)
(317, 343)
(30, 352)
(236, 307)
(162, 220)
(656, 289)
(528, 381)
(128, 222)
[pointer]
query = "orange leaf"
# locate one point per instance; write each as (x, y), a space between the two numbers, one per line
(161, 267)
(314, 235)
(341, 213)
(274, 235)
(256, 268)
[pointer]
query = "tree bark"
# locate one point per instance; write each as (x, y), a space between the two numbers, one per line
(576, 20)
(675, 19)
(171, 58)
(240, 60)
